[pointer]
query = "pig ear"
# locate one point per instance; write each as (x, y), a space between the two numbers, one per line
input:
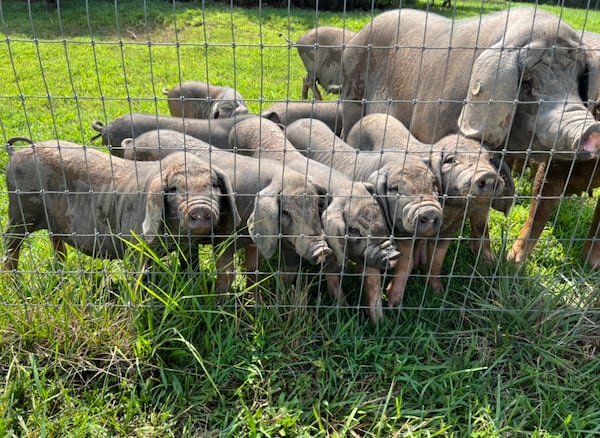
(334, 226)
(216, 110)
(379, 180)
(263, 223)
(503, 204)
(128, 147)
(370, 188)
(493, 88)
(271, 115)
(228, 198)
(434, 162)
(324, 198)
(154, 210)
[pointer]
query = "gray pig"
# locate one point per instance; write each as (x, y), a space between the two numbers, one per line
(199, 100)
(321, 52)
(518, 79)
(278, 204)
(407, 186)
(94, 201)
(284, 113)
(157, 144)
(354, 221)
(473, 179)
(556, 179)
(213, 131)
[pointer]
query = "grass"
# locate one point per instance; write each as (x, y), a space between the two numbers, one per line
(89, 349)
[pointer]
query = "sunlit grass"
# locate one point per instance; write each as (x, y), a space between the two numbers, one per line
(103, 348)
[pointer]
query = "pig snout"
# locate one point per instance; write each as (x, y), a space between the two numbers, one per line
(384, 255)
(423, 218)
(319, 253)
(201, 217)
(590, 140)
(486, 184)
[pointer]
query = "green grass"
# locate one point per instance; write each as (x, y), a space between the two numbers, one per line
(89, 349)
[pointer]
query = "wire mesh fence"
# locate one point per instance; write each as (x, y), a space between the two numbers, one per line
(422, 170)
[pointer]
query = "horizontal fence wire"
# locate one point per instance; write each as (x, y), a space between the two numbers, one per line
(358, 218)
(59, 79)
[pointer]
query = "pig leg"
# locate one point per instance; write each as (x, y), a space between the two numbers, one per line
(305, 86)
(437, 259)
(480, 236)
(544, 198)
(15, 237)
(13, 250)
(225, 273)
(404, 266)
(309, 83)
(252, 264)
(316, 92)
(334, 287)
(373, 287)
(591, 249)
(60, 249)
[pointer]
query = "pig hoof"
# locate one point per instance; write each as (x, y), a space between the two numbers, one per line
(436, 285)
(515, 256)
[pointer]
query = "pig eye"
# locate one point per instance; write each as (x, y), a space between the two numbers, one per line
(449, 159)
(526, 91)
(393, 190)
(353, 231)
(170, 189)
(285, 215)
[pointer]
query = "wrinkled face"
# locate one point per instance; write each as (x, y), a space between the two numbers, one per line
(192, 197)
(554, 84)
(356, 228)
(300, 222)
(227, 108)
(467, 173)
(412, 196)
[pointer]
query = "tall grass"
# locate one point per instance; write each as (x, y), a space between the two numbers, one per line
(97, 348)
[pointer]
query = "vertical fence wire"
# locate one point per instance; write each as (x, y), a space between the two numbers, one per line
(61, 96)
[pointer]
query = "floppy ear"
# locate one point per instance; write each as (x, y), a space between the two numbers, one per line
(227, 201)
(214, 110)
(434, 162)
(324, 198)
(219, 110)
(154, 210)
(495, 77)
(263, 223)
(508, 194)
(378, 179)
(592, 72)
(334, 226)
(370, 188)
(272, 115)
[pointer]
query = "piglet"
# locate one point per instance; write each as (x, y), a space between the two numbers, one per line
(98, 203)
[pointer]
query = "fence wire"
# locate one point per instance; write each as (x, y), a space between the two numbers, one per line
(401, 226)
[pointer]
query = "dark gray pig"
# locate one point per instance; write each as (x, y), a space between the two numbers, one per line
(405, 183)
(279, 205)
(213, 131)
(354, 221)
(473, 179)
(284, 113)
(199, 100)
(93, 201)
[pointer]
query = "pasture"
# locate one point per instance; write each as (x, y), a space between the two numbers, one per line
(91, 348)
